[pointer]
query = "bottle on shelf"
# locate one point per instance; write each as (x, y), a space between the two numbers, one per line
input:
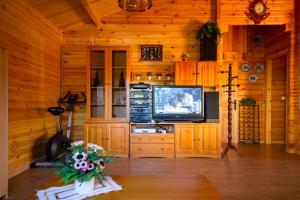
(122, 80)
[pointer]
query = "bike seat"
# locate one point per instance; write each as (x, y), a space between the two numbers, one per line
(56, 110)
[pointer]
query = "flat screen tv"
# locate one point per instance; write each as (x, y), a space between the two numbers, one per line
(178, 103)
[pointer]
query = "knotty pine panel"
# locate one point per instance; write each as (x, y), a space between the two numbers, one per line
(297, 65)
(33, 46)
(232, 12)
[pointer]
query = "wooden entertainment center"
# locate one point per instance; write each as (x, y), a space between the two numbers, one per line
(108, 111)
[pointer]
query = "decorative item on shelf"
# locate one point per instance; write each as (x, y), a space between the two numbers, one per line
(230, 90)
(209, 35)
(252, 78)
(122, 79)
(151, 52)
(135, 5)
(245, 67)
(149, 75)
(185, 56)
(257, 11)
(83, 166)
(96, 81)
(248, 101)
(259, 67)
(158, 75)
(169, 76)
(138, 76)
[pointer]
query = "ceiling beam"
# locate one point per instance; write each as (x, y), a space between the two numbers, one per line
(87, 6)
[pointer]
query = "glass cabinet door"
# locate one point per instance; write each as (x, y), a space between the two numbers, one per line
(97, 84)
(119, 83)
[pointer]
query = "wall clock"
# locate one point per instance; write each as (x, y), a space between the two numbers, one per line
(257, 11)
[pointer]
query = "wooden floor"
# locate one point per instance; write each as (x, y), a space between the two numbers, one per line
(265, 172)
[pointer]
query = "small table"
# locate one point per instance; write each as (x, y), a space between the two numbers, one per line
(156, 187)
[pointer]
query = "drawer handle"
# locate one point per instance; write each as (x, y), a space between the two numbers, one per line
(139, 149)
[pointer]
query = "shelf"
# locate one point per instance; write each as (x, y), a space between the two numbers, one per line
(153, 133)
(97, 104)
(97, 87)
(118, 104)
(97, 68)
(119, 68)
(119, 88)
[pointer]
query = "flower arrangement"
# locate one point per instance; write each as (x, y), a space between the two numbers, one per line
(185, 56)
(83, 164)
(248, 101)
(149, 75)
(158, 75)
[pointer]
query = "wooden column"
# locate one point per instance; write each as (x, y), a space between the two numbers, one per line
(297, 63)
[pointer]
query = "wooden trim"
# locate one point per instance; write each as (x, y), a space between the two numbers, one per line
(87, 6)
(4, 122)
(284, 52)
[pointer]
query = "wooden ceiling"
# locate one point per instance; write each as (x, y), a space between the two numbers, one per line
(68, 14)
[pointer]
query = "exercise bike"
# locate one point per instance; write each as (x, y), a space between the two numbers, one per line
(59, 143)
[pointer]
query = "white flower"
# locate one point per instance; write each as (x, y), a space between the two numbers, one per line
(76, 143)
(90, 166)
(83, 164)
(77, 165)
(95, 147)
(79, 157)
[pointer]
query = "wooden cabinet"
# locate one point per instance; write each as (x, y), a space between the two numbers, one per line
(197, 140)
(197, 73)
(113, 137)
(107, 84)
(152, 145)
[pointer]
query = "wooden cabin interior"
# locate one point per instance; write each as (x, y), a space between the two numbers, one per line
(103, 52)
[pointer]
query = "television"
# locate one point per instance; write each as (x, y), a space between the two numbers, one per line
(178, 103)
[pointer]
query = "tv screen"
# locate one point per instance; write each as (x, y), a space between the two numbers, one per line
(178, 103)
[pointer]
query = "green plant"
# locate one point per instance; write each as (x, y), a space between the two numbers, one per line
(149, 74)
(83, 164)
(210, 29)
(248, 101)
(158, 74)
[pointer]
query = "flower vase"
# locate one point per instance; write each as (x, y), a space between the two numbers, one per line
(85, 187)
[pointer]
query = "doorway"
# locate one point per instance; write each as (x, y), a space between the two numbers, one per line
(3, 122)
(278, 100)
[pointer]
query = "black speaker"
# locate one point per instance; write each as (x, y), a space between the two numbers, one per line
(211, 106)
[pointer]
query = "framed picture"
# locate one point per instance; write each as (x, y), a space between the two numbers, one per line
(151, 52)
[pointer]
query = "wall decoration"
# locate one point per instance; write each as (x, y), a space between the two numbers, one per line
(151, 52)
(245, 67)
(252, 78)
(259, 67)
(257, 11)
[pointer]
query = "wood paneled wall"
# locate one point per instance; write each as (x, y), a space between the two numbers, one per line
(297, 63)
(232, 12)
(34, 80)
(174, 38)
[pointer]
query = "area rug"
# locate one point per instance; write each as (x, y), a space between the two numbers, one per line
(68, 192)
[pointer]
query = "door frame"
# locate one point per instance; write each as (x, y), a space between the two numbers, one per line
(4, 112)
(269, 58)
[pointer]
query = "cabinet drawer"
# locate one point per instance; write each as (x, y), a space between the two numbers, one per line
(152, 149)
(152, 139)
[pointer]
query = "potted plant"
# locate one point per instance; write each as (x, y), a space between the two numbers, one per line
(185, 56)
(158, 75)
(138, 76)
(248, 101)
(149, 75)
(209, 35)
(83, 165)
(169, 76)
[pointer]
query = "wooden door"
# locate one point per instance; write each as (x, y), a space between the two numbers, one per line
(118, 139)
(207, 73)
(186, 73)
(198, 140)
(210, 139)
(96, 134)
(184, 139)
(278, 100)
(3, 123)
